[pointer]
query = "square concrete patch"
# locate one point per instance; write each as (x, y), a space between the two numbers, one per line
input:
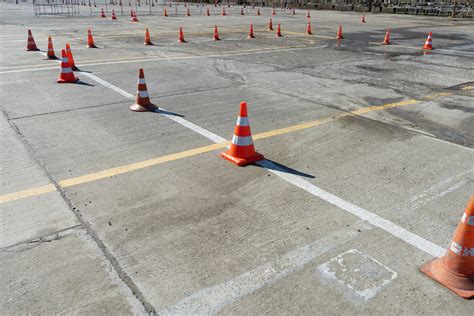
(359, 276)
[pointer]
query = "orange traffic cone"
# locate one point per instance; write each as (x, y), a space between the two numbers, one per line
(386, 40)
(270, 25)
(223, 12)
(147, 38)
(181, 35)
(114, 17)
(66, 75)
(165, 12)
(51, 54)
(188, 12)
(31, 45)
(308, 29)
(294, 11)
(428, 43)
(363, 19)
(70, 57)
(242, 151)
(273, 12)
(208, 13)
(251, 35)
(456, 269)
(134, 17)
(339, 32)
(278, 34)
(258, 11)
(102, 13)
(308, 15)
(142, 103)
(216, 34)
(242, 11)
(90, 40)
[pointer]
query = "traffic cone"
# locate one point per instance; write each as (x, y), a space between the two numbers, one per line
(51, 54)
(428, 43)
(114, 17)
(273, 12)
(278, 34)
(70, 57)
(188, 13)
(223, 12)
(31, 45)
(308, 15)
(66, 75)
(165, 12)
(216, 34)
(294, 11)
(242, 11)
(102, 13)
(308, 29)
(134, 17)
(181, 35)
(142, 101)
(147, 38)
(363, 19)
(90, 40)
(258, 11)
(456, 269)
(251, 35)
(242, 151)
(208, 13)
(270, 25)
(386, 40)
(339, 32)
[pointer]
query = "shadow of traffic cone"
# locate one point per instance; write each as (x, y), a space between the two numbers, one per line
(114, 17)
(134, 17)
(386, 40)
(308, 29)
(66, 75)
(142, 101)
(147, 38)
(102, 13)
(363, 19)
(70, 57)
(165, 12)
(242, 151)
(428, 43)
(31, 45)
(456, 269)
(339, 32)
(181, 35)
(90, 40)
(270, 25)
(278, 34)
(251, 35)
(216, 34)
(51, 54)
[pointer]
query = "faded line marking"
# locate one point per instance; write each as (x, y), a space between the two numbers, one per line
(212, 299)
(380, 222)
(196, 151)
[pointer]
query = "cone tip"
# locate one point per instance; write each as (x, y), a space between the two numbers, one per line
(470, 206)
(243, 109)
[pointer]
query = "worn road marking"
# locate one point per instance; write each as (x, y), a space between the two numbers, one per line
(196, 151)
(212, 299)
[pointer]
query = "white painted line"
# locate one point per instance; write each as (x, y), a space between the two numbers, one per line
(108, 85)
(380, 222)
(212, 299)
(213, 137)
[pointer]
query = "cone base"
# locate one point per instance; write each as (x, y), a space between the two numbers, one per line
(427, 48)
(76, 79)
(51, 58)
(32, 49)
(91, 46)
(461, 285)
(216, 39)
(242, 161)
(182, 41)
(386, 43)
(143, 108)
(148, 44)
(250, 37)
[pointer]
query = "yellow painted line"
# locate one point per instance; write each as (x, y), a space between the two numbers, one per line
(193, 152)
(27, 193)
(468, 88)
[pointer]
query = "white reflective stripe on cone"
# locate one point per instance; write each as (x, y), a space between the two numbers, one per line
(66, 70)
(141, 81)
(143, 94)
(243, 121)
(242, 140)
(64, 60)
(468, 220)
